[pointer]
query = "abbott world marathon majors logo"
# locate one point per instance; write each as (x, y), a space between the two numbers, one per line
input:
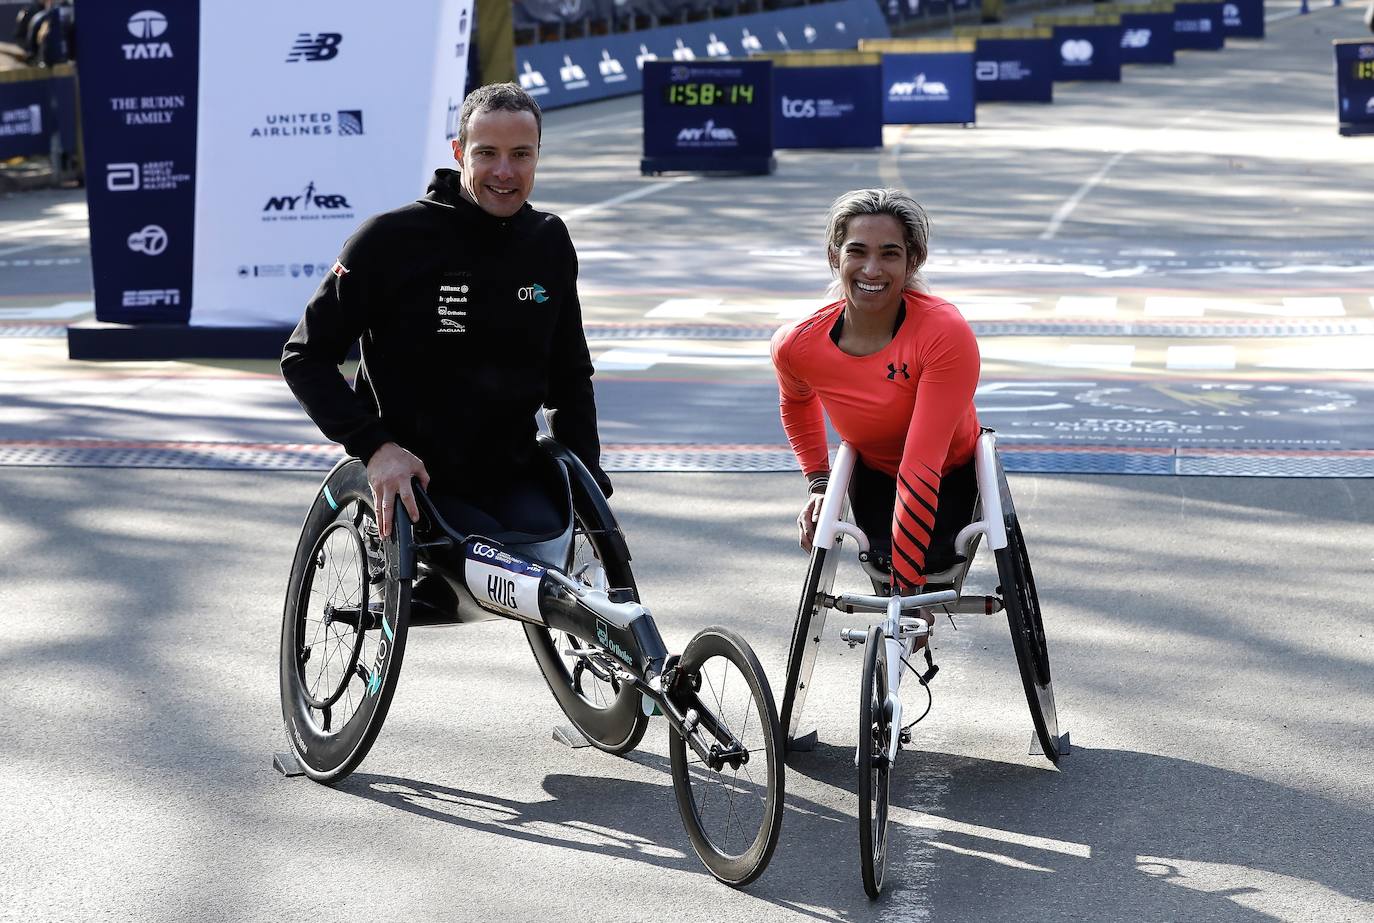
(1076, 52)
(147, 27)
(709, 135)
(919, 90)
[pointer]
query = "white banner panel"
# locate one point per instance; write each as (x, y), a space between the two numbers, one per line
(314, 115)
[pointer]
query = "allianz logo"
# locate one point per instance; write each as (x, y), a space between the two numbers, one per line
(708, 132)
(612, 71)
(1136, 38)
(930, 89)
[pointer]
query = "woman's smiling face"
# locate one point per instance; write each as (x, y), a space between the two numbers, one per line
(872, 263)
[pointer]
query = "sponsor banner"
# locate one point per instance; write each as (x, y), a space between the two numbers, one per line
(1087, 52)
(1015, 70)
(26, 118)
(1243, 18)
(305, 142)
(139, 77)
(1355, 83)
(708, 115)
(831, 107)
(1147, 38)
(580, 70)
(1197, 26)
(928, 88)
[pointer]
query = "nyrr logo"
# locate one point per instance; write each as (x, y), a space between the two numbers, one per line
(323, 46)
(798, 108)
(612, 71)
(1136, 38)
(533, 293)
(306, 200)
(708, 132)
(145, 25)
(152, 297)
(683, 53)
(572, 75)
(152, 240)
(1076, 51)
(920, 88)
(532, 81)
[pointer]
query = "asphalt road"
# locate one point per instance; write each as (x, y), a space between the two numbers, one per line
(1210, 637)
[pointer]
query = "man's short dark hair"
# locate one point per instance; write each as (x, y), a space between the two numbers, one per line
(506, 97)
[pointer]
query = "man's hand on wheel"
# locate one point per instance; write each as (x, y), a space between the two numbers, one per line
(389, 471)
(806, 521)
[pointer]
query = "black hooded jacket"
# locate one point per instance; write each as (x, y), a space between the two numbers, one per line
(469, 324)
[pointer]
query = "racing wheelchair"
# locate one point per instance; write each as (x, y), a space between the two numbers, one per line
(891, 644)
(353, 597)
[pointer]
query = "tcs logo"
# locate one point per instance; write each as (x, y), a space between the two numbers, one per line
(533, 293)
(798, 108)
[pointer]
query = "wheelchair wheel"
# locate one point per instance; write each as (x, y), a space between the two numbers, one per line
(732, 814)
(608, 713)
(806, 637)
(1027, 628)
(343, 630)
(875, 736)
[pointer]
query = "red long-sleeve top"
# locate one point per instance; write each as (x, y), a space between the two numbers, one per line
(907, 409)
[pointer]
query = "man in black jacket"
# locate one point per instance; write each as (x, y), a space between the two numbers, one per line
(466, 305)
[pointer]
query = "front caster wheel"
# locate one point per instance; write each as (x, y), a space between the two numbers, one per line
(875, 737)
(731, 809)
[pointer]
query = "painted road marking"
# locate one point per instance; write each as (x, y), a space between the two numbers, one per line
(1086, 306)
(1200, 358)
(65, 310)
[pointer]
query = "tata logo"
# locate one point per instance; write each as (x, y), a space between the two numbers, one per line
(708, 132)
(322, 46)
(532, 81)
(152, 298)
(798, 108)
(1076, 51)
(146, 25)
(612, 71)
(152, 241)
(1136, 38)
(920, 88)
(533, 293)
(306, 200)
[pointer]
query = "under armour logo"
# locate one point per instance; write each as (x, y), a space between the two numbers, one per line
(892, 371)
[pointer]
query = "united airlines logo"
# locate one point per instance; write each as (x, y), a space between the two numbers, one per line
(919, 89)
(146, 26)
(322, 46)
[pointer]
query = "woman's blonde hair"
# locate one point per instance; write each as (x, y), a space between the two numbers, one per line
(894, 203)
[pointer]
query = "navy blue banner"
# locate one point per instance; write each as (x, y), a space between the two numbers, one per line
(26, 118)
(928, 88)
(580, 70)
(1148, 38)
(834, 107)
(1197, 27)
(708, 115)
(139, 80)
(1015, 70)
(1243, 18)
(1355, 82)
(1087, 52)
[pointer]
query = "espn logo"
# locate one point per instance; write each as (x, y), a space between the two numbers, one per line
(152, 297)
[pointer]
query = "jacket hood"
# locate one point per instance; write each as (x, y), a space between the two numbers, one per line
(446, 189)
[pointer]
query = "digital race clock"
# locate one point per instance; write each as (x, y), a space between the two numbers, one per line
(1362, 70)
(709, 94)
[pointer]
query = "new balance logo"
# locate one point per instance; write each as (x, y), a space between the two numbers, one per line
(893, 372)
(321, 47)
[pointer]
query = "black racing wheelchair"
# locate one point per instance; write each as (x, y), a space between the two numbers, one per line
(353, 598)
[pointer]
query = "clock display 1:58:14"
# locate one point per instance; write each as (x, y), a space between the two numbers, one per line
(710, 94)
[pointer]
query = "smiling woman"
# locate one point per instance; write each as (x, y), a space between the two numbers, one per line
(894, 368)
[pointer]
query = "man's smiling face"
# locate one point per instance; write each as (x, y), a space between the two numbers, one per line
(498, 160)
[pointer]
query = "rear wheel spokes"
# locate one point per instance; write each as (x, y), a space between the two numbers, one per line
(730, 800)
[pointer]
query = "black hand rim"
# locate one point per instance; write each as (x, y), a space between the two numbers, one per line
(317, 564)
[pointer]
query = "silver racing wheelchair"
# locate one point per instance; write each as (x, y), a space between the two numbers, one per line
(890, 645)
(352, 600)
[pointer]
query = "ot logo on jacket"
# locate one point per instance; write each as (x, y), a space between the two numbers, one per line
(533, 293)
(893, 371)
